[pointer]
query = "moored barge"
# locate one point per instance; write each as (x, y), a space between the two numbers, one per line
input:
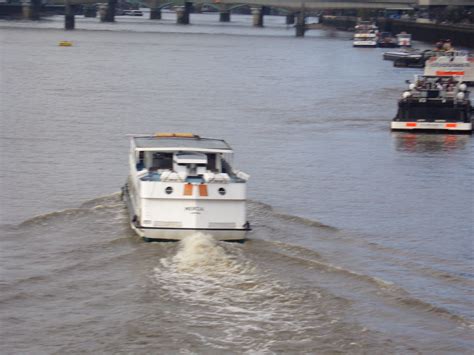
(434, 103)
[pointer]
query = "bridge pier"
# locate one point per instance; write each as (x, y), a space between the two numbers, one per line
(257, 16)
(107, 13)
(290, 19)
(31, 10)
(155, 14)
(224, 16)
(300, 26)
(182, 13)
(69, 20)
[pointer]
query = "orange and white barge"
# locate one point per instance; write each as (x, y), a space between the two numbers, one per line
(451, 63)
(180, 183)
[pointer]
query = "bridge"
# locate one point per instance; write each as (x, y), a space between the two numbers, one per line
(297, 10)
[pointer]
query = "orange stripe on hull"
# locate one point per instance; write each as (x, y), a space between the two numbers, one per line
(188, 190)
(203, 190)
(449, 73)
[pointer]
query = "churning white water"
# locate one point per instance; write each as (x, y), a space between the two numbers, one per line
(239, 302)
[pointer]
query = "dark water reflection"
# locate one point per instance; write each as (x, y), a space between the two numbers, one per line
(430, 143)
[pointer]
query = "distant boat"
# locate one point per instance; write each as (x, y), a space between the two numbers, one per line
(408, 57)
(404, 39)
(452, 63)
(132, 13)
(180, 183)
(365, 34)
(387, 40)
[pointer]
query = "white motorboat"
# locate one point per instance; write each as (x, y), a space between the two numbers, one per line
(366, 35)
(180, 183)
(452, 63)
(434, 103)
(401, 53)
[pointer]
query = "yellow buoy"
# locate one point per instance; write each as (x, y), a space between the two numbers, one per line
(65, 43)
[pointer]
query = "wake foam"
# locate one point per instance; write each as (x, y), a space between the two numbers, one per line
(201, 254)
(211, 283)
(106, 202)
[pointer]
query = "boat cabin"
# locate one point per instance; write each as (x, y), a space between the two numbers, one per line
(182, 157)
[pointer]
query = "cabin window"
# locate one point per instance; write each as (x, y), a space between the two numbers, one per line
(432, 113)
(211, 162)
(169, 190)
(141, 160)
(162, 161)
(222, 191)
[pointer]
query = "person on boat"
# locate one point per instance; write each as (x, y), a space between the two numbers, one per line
(447, 46)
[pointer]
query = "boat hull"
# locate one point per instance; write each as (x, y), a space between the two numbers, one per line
(175, 234)
(460, 127)
(365, 45)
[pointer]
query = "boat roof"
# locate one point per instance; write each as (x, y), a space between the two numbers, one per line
(179, 142)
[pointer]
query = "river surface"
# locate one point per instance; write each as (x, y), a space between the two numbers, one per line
(362, 239)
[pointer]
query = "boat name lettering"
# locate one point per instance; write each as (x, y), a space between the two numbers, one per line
(191, 209)
(460, 65)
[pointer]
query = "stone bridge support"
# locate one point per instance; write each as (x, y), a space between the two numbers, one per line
(182, 13)
(69, 20)
(31, 9)
(300, 26)
(107, 13)
(155, 14)
(290, 19)
(224, 15)
(155, 10)
(257, 16)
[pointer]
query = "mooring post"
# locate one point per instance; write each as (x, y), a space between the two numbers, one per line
(69, 20)
(300, 26)
(257, 16)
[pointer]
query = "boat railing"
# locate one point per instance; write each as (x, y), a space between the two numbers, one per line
(457, 53)
(169, 176)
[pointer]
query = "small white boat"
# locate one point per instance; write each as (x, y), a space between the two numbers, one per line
(133, 13)
(401, 53)
(434, 103)
(180, 183)
(404, 39)
(452, 63)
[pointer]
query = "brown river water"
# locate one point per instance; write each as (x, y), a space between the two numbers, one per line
(361, 241)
